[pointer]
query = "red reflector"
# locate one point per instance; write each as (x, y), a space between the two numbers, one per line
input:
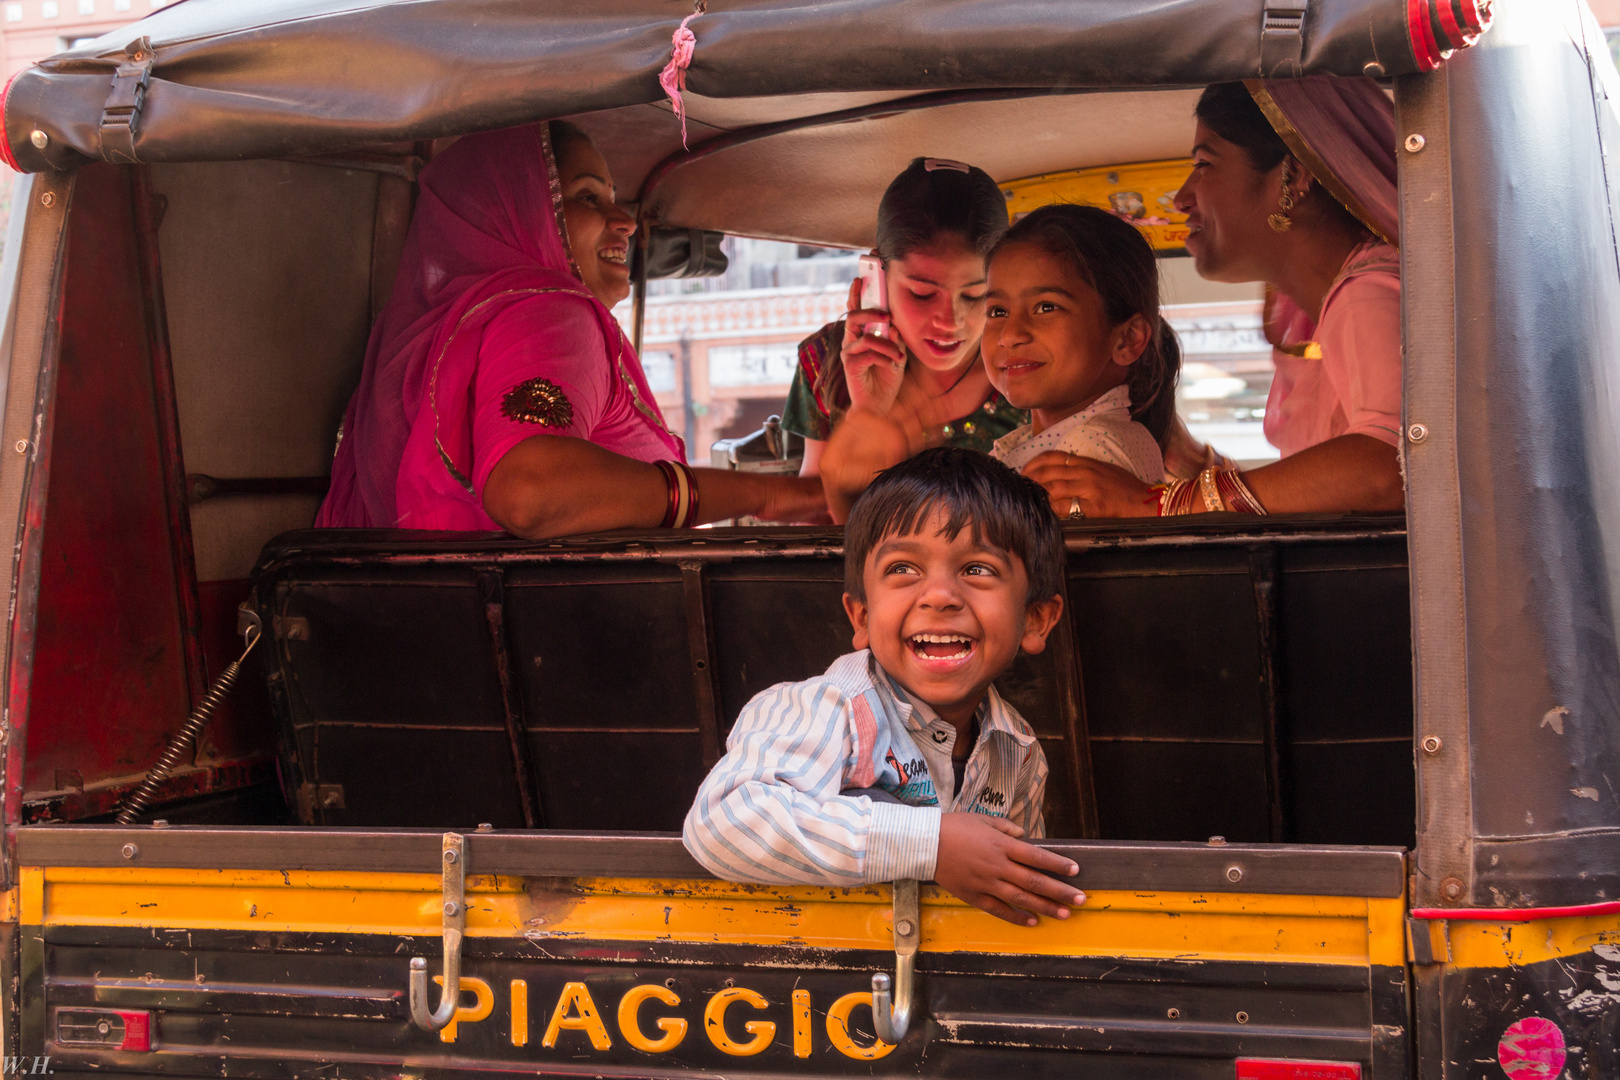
(138, 1031)
(1269, 1069)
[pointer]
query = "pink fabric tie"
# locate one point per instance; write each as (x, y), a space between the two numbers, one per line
(673, 77)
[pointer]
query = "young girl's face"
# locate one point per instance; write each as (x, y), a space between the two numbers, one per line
(936, 301)
(1048, 344)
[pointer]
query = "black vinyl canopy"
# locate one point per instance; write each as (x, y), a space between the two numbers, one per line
(211, 80)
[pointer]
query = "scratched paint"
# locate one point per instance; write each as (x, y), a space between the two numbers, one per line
(1532, 1049)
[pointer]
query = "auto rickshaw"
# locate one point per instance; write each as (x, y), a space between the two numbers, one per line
(1373, 830)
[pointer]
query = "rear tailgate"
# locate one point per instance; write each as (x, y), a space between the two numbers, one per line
(275, 952)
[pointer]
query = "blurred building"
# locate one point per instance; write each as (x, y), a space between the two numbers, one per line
(31, 30)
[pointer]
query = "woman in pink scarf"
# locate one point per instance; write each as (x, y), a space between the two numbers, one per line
(1293, 184)
(498, 391)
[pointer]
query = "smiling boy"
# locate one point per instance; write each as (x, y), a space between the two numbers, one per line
(902, 760)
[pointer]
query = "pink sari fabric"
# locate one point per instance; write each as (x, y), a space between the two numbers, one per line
(487, 315)
(1340, 375)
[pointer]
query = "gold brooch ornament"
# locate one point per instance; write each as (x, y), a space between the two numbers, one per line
(538, 401)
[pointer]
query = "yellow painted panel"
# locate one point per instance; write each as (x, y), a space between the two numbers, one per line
(31, 896)
(1140, 193)
(1233, 926)
(1476, 944)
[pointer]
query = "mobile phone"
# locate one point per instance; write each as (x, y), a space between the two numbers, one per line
(874, 292)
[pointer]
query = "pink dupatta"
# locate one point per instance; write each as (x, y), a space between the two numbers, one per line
(488, 234)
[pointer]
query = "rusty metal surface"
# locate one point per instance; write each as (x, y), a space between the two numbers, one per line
(1297, 869)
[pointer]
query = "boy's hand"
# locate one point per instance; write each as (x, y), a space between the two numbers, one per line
(982, 861)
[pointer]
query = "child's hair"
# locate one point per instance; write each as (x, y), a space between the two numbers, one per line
(1115, 259)
(933, 197)
(563, 133)
(973, 490)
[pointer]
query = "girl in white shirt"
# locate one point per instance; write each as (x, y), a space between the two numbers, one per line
(1073, 333)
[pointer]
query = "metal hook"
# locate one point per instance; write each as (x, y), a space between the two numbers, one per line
(455, 925)
(891, 1018)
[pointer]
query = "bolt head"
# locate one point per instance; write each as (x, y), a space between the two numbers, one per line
(1417, 433)
(1217, 841)
(1414, 143)
(1373, 69)
(22, 446)
(450, 907)
(1173, 1014)
(1451, 889)
(129, 851)
(903, 928)
(39, 139)
(1234, 874)
(48, 199)
(1243, 1018)
(1431, 744)
(450, 856)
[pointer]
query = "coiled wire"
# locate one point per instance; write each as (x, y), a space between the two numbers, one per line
(186, 738)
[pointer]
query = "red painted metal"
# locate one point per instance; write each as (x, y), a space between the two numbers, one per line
(1529, 914)
(5, 140)
(184, 784)
(168, 429)
(107, 683)
(1421, 32)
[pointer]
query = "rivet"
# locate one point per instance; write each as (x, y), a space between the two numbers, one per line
(1243, 1018)
(1373, 69)
(1173, 1014)
(450, 856)
(1234, 874)
(670, 983)
(130, 851)
(903, 928)
(450, 907)
(1431, 744)
(161, 823)
(22, 446)
(1217, 841)
(484, 826)
(1451, 889)
(1417, 433)
(1414, 143)
(729, 983)
(39, 139)
(48, 199)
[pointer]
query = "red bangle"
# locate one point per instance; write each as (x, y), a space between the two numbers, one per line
(683, 495)
(674, 493)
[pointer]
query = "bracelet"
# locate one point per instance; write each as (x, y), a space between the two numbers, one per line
(683, 495)
(1236, 493)
(1176, 498)
(1210, 492)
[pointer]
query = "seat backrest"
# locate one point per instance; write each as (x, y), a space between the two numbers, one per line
(1254, 684)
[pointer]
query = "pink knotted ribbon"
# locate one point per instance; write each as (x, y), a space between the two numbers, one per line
(673, 77)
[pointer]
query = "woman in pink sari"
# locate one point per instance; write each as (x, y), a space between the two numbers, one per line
(498, 391)
(1293, 184)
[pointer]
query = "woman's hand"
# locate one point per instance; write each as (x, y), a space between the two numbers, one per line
(789, 499)
(873, 366)
(1184, 456)
(1104, 490)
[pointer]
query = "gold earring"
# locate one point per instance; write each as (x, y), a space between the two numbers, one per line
(1280, 221)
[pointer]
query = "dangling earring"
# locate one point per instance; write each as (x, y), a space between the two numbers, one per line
(1280, 221)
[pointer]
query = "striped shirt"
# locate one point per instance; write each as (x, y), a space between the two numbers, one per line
(771, 810)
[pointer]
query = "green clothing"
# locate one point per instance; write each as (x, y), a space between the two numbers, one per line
(818, 397)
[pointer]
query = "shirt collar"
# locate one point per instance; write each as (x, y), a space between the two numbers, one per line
(1116, 400)
(992, 715)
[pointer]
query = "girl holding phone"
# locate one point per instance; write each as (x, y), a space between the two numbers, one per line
(936, 225)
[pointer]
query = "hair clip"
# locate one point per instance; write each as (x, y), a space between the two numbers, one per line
(933, 163)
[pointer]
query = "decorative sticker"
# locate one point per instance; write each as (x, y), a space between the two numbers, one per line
(1142, 193)
(1532, 1049)
(538, 401)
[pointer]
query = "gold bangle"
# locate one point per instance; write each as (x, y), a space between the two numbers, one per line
(1211, 494)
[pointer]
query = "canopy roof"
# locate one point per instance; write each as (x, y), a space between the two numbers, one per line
(233, 79)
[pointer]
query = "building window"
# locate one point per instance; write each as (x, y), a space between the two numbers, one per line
(659, 367)
(47, 9)
(120, 5)
(13, 13)
(753, 365)
(87, 7)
